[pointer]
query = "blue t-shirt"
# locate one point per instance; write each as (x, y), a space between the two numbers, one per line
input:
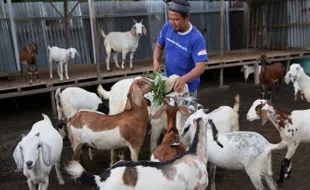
(183, 51)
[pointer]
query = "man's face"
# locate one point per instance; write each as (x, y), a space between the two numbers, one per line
(177, 21)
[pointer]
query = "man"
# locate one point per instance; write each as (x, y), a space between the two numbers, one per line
(186, 53)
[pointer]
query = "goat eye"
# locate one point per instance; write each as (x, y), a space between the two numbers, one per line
(39, 146)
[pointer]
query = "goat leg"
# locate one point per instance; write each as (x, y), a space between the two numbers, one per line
(66, 70)
(262, 91)
(29, 75)
(21, 72)
(31, 185)
(115, 54)
(278, 89)
(269, 93)
(124, 53)
(131, 58)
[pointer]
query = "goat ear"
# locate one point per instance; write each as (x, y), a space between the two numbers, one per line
(18, 157)
(159, 112)
(184, 110)
(263, 117)
(133, 30)
(46, 154)
(137, 95)
(144, 30)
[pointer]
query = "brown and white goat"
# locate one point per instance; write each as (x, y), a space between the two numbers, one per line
(185, 172)
(270, 74)
(165, 151)
(107, 132)
(27, 56)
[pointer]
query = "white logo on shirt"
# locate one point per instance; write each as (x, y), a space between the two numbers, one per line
(202, 52)
(177, 44)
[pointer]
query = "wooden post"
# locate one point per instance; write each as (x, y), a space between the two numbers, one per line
(94, 36)
(283, 5)
(66, 21)
(13, 31)
(53, 103)
(256, 73)
(222, 41)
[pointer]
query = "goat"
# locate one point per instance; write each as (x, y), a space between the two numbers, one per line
(117, 100)
(27, 56)
(293, 128)
(249, 69)
(297, 90)
(61, 56)
(297, 74)
(165, 151)
(107, 132)
(73, 99)
(187, 171)
(240, 150)
(38, 152)
(270, 74)
(115, 42)
(225, 118)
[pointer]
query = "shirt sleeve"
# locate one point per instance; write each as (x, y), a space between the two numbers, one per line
(162, 35)
(199, 52)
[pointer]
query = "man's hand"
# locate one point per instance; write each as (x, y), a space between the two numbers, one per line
(179, 84)
(156, 66)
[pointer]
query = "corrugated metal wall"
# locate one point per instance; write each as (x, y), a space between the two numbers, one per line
(280, 24)
(41, 23)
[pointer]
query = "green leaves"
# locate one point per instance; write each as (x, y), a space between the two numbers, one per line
(158, 89)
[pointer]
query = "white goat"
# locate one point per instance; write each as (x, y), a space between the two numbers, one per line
(115, 42)
(296, 74)
(247, 70)
(72, 99)
(297, 89)
(185, 172)
(241, 150)
(61, 56)
(118, 96)
(293, 127)
(38, 152)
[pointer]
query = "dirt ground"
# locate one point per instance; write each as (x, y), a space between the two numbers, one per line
(17, 116)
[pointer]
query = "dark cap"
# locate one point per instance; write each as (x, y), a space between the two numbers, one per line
(178, 5)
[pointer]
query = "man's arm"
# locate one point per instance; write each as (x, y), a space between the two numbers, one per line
(198, 70)
(156, 56)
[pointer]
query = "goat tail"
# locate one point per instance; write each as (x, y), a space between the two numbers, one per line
(57, 97)
(103, 93)
(278, 146)
(237, 103)
(102, 33)
(77, 171)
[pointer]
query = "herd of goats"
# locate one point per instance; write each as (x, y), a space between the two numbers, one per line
(193, 135)
(114, 43)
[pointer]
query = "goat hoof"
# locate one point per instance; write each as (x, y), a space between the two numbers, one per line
(61, 182)
(280, 182)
